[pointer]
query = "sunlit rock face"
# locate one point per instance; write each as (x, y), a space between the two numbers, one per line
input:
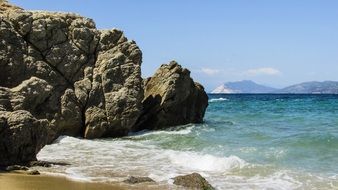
(61, 70)
(171, 97)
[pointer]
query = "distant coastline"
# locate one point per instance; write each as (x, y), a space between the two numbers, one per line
(250, 87)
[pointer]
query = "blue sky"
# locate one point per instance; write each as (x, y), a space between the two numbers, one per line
(273, 42)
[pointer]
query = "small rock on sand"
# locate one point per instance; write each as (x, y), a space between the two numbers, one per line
(194, 180)
(134, 180)
(33, 172)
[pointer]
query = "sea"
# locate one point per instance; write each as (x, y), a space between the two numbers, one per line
(262, 141)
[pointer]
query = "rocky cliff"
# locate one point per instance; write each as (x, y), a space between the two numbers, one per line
(86, 82)
(171, 97)
(62, 76)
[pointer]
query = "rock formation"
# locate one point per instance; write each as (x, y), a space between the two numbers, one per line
(62, 76)
(171, 97)
(21, 137)
(193, 181)
(66, 74)
(89, 81)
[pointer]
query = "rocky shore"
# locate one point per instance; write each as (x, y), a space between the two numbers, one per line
(16, 181)
(62, 76)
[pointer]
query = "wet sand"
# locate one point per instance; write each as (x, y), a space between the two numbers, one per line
(17, 181)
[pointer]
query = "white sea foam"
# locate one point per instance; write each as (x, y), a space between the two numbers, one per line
(74, 176)
(280, 180)
(218, 99)
(100, 157)
(113, 160)
(182, 131)
(206, 162)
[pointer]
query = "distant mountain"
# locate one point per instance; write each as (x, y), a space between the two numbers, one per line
(326, 87)
(245, 86)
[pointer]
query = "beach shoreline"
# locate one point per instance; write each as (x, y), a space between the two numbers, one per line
(22, 181)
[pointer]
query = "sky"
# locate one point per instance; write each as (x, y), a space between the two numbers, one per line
(276, 43)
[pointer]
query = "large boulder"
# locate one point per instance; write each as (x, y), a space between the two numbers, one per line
(21, 137)
(114, 99)
(21, 134)
(171, 97)
(62, 76)
(94, 75)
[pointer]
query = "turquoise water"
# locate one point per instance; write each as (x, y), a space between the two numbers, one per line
(298, 132)
(246, 142)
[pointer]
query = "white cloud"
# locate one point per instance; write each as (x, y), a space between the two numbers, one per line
(210, 71)
(237, 73)
(262, 71)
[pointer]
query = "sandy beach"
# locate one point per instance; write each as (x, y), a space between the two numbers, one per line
(17, 181)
